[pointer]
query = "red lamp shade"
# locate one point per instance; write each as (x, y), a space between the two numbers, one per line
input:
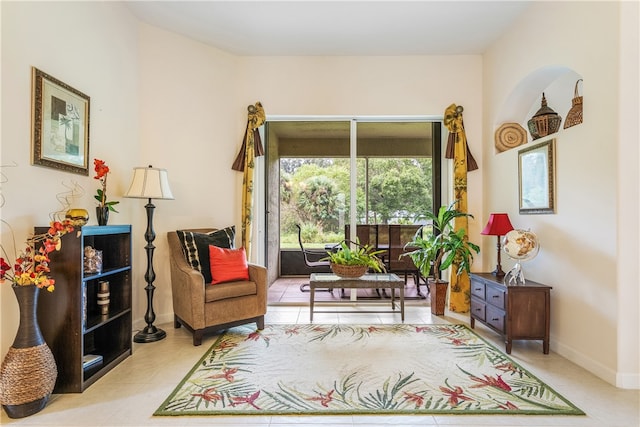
(498, 225)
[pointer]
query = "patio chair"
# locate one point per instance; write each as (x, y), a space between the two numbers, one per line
(313, 260)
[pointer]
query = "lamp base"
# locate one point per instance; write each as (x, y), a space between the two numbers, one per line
(149, 334)
(498, 272)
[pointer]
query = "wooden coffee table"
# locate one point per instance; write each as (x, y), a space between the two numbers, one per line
(368, 281)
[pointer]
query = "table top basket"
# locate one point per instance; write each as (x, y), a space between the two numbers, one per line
(349, 271)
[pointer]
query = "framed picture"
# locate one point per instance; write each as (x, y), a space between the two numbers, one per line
(536, 179)
(60, 120)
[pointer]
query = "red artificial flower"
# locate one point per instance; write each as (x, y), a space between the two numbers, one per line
(31, 266)
(101, 168)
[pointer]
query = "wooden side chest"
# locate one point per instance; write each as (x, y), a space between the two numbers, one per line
(520, 312)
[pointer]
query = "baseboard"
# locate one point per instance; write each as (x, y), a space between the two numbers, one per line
(628, 381)
(596, 368)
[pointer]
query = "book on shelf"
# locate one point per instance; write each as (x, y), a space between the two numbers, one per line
(89, 360)
(84, 305)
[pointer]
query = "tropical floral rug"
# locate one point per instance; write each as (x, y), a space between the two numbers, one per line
(360, 369)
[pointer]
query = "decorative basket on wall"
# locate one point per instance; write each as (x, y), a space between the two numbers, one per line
(509, 135)
(574, 116)
(349, 271)
(544, 122)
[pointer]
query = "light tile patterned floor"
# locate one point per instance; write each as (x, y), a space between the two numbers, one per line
(130, 393)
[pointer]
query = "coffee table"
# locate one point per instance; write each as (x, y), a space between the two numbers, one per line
(368, 281)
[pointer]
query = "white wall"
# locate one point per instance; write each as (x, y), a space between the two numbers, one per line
(580, 242)
(93, 48)
(628, 230)
(192, 124)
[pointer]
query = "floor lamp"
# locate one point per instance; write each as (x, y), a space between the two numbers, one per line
(498, 225)
(149, 183)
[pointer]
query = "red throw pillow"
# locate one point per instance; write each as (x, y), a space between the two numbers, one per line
(228, 265)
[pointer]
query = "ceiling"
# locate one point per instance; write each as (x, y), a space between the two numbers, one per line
(329, 27)
(337, 28)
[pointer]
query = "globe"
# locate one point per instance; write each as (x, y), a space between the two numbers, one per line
(519, 245)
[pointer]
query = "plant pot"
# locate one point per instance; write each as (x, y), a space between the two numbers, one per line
(102, 215)
(438, 293)
(349, 271)
(28, 373)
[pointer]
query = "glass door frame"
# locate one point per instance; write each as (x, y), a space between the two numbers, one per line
(440, 175)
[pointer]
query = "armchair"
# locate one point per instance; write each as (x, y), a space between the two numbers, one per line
(202, 308)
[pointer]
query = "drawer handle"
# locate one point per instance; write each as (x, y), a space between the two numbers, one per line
(478, 309)
(495, 319)
(495, 296)
(477, 289)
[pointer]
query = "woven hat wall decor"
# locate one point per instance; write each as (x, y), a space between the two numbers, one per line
(574, 116)
(509, 135)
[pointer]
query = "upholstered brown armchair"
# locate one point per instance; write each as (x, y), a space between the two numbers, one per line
(203, 308)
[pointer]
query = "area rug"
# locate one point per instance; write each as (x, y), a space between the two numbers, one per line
(360, 369)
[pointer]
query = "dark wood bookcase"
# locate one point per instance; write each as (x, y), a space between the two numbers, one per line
(70, 319)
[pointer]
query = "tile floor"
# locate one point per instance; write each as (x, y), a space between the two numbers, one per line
(130, 393)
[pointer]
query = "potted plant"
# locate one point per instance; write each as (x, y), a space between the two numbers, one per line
(354, 262)
(104, 206)
(439, 249)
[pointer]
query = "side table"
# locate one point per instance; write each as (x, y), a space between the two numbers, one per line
(518, 312)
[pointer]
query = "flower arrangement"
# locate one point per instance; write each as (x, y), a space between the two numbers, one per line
(101, 175)
(31, 266)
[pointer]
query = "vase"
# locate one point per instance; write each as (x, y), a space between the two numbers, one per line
(102, 215)
(77, 216)
(28, 373)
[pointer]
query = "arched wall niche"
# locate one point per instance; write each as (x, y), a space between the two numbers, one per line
(557, 83)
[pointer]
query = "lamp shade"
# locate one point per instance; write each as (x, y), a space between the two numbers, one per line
(498, 225)
(149, 183)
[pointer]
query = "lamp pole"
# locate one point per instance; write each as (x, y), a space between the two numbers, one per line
(498, 271)
(150, 333)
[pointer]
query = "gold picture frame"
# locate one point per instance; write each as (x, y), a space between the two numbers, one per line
(60, 125)
(536, 178)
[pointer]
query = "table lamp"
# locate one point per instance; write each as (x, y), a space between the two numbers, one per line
(498, 225)
(149, 183)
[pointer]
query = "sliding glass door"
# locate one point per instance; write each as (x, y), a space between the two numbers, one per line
(330, 173)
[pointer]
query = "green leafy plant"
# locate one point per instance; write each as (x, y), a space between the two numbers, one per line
(442, 246)
(359, 255)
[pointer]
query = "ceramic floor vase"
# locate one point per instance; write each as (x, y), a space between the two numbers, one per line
(28, 372)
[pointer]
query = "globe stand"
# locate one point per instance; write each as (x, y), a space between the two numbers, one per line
(519, 245)
(515, 276)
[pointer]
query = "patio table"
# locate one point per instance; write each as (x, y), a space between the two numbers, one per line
(368, 281)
